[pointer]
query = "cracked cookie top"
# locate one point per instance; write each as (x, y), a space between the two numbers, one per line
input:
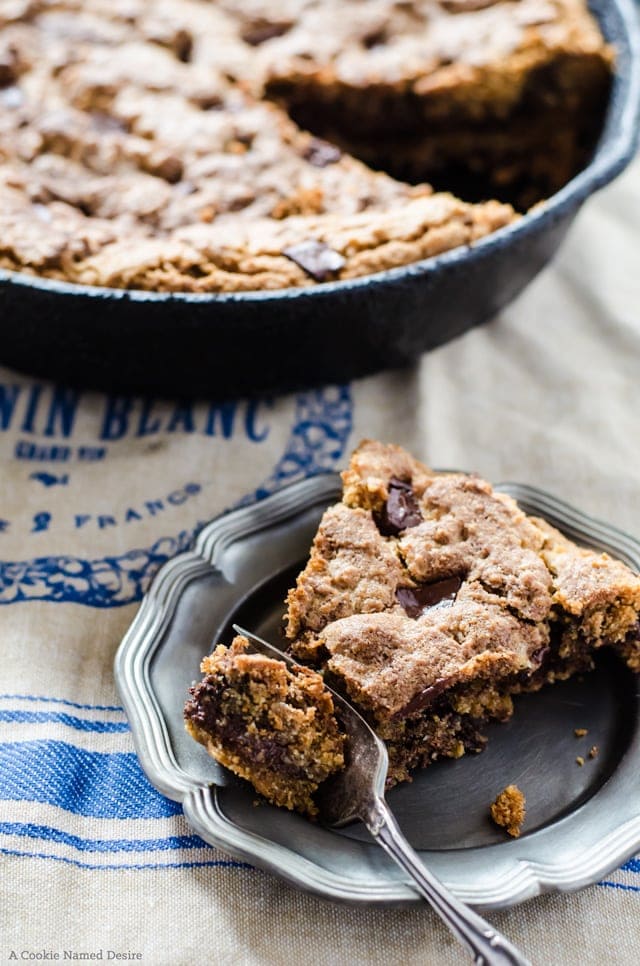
(419, 581)
(139, 147)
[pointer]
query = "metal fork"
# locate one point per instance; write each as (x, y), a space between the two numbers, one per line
(357, 792)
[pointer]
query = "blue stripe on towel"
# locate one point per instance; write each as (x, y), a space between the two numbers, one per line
(620, 885)
(60, 717)
(70, 704)
(48, 834)
(85, 782)
(219, 863)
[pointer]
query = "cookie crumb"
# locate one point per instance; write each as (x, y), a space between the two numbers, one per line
(508, 810)
(580, 760)
(593, 751)
(580, 732)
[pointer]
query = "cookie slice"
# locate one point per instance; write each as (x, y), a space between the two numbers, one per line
(431, 599)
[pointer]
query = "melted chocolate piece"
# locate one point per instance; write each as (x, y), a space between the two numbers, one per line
(170, 169)
(203, 707)
(401, 510)
(633, 634)
(540, 655)
(206, 711)
(424, 698)
(316, 259)
(321, 153)
(377, 38)
(260, 30)
(183, 45)
(441, 593)
(464, 6)
(263, 750)
(8, 72)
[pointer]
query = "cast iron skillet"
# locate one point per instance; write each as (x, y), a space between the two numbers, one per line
(255, 343)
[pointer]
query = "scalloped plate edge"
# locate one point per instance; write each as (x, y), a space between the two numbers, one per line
(523, 878)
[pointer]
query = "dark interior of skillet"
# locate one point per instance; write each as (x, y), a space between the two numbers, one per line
(475, 160)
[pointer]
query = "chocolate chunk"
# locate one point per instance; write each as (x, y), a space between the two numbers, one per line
(540, 655)
(376, 38)
(316, 259)
(170, 168)
(321, 153)
(466, 6)
(8, 68)
(204, 706)
(182, 45)
(401, 510)
(633, 634)
(259, 31)
(441, 593)
(423, 699)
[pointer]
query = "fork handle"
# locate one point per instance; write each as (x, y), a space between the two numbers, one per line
(486, 944)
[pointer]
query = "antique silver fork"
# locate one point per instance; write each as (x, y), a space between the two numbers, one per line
(357, 792)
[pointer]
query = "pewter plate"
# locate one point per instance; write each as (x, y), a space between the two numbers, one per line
(582, 822)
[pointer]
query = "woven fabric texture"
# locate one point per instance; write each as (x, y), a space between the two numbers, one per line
(97, 491)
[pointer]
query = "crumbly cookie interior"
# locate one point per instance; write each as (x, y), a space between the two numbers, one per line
(267, 722)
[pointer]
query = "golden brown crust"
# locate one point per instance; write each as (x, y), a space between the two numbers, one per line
(476, 58)
(366, 479)
(593, 588)
(153, 170)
